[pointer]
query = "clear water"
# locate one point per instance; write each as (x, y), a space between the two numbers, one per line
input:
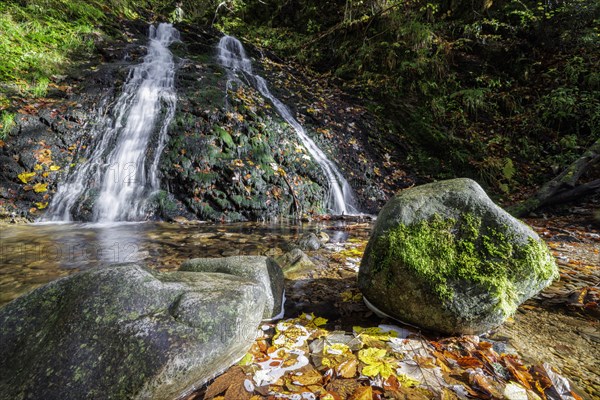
(120, 171)
(341, 199)
(35, 254)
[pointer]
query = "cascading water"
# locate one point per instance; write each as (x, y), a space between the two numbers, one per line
(118, 172)
(341, 201)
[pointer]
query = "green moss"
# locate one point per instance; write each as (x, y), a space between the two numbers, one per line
(442, 252)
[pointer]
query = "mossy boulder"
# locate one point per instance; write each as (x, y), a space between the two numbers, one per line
(125, 332)
(443, 256)
(263, 270)
(295, 264)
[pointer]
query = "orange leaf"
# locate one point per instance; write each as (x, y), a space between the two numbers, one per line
(470, 362)
(518, 371)
(362, 393)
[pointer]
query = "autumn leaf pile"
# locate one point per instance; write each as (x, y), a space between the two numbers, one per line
(299, 359)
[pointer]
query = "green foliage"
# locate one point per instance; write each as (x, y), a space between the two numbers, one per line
(37, 40)
(7, 122)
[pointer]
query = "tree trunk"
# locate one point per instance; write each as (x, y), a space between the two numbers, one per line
(564, 187)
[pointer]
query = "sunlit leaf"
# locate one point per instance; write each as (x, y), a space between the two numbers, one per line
(40, 187)
(25, 177)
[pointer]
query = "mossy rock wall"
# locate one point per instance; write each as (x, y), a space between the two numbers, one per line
(445, 257)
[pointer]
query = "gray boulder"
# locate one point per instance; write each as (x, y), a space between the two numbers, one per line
(263, 270)
(443, 256)
(295, 264)
(125, 332)
(309, 241)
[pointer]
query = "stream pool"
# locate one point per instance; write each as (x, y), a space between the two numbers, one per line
(35, 254)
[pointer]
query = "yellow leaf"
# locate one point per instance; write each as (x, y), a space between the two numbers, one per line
(375, 333)
(382, 368)
(347, 296)
(26, 176)
(38, 167)
(40, 187)
(41, 205)
(246, 360)
(371, 356)
(375, 361)
(54, 168)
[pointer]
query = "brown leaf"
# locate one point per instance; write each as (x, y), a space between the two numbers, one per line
(237, 391)
(343, 387)
(348, 369)
(486, 385)
(362, 393)
(223, 382)
(309, 377)
(518, 371)
(470, 362)
(404, 393)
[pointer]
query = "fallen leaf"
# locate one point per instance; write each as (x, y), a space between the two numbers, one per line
(362, 393)
(40, 187)
(375, 361)
(348, 368)
(220, 385)
(25, 177)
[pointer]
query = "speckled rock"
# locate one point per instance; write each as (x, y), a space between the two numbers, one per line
(295, 263)
(443, 256)
(309, 241)
(263, 270)
(125, 332)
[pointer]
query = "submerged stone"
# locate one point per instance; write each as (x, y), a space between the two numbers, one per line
(295, 264)
(125, 332)
(443, 256)
(309, 241)
(262, 270)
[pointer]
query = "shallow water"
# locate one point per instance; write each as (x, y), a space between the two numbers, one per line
(35, 254)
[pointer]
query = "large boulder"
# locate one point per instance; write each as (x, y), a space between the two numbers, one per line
(125, 332)
(443, 256)
(263, 270)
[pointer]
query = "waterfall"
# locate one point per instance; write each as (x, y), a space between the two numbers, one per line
(119, 173)
(341, 200)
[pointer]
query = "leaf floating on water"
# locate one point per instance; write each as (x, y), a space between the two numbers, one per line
(54, 168)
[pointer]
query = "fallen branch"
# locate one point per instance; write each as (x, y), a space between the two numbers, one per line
(564, 187)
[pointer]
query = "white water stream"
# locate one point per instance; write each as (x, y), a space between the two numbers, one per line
(120, 173)
(341, 200)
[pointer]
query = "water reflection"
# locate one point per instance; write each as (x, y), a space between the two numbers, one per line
(35, 254)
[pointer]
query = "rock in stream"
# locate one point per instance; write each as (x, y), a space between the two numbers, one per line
(126, 332)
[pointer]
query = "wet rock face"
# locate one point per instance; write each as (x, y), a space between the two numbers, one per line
(262, 270)
(126, 332)
(229, 156)
(445, 257)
